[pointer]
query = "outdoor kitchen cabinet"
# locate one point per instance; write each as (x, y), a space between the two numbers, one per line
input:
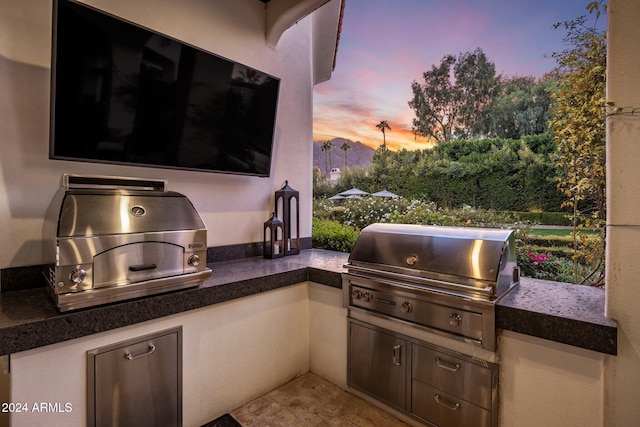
(137, 382)
(432, 384)
(377, 364)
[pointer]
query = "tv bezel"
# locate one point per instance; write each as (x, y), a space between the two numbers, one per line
(52, 115)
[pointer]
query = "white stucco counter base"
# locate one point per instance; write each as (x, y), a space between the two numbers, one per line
(232, 353)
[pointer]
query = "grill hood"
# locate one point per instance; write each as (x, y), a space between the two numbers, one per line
(478, 262)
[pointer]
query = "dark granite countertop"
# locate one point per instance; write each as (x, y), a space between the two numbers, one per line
(559, 312)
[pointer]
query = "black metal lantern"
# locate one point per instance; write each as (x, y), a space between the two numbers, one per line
(273, 238)
(288, 208)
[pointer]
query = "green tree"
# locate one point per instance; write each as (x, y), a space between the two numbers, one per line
(477, 83)
(453, 102)
(327, 146)
(321, 187)
(522, 106)
(383, 125)
(436, 102)
(578, 122)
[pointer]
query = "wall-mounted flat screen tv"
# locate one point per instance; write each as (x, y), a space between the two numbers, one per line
(125, 94)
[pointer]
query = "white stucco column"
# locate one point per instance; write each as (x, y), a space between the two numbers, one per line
(622, 372)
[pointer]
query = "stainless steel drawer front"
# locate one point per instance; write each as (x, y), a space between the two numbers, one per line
(446, 410)
(137, 382)
(454, 375)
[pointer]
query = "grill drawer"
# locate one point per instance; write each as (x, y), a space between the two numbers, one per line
(445, 410)
(453, 375)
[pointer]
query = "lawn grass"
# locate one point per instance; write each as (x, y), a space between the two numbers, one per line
(560, 232)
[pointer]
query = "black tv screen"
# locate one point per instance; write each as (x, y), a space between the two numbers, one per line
(125, 94)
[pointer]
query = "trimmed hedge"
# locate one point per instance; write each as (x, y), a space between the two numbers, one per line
(545, 218)
(332, 235)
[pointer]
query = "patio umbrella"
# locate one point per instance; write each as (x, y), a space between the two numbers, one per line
(337, 197)
(385, 193)
(353, 192)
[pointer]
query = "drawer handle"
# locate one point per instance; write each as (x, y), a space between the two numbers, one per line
(449, 405)
(453, 367)
(397, 354)
(130, 356)
(143, 267)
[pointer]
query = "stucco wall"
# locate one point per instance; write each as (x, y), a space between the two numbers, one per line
(328, 332)
(228, 359)
(622, 373)
(543, 383)
(233, 207)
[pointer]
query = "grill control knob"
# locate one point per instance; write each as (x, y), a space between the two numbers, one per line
(367, 296)
(357, 294)
(406, 307)
(77, 275)
(412, 260)
(455, 319)
(194, 260)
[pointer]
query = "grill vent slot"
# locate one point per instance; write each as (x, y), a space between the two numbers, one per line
(111, 183)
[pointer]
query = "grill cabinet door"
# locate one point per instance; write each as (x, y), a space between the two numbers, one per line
(377, 364)
(137, 383)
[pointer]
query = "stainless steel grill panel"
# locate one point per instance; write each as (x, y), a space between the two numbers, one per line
(442, 278)
(478, 258)
(111, 239)
(111, 213)
(415, 294)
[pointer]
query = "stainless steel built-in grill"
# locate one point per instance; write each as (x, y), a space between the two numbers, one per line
(422, 319)
(112, 239)
(445, 278)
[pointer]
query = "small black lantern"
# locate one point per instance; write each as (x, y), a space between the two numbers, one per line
(273, 243)
(288, 208)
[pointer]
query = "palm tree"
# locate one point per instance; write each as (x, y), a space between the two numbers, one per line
(327, 146)
(383, 125)
(344, 147)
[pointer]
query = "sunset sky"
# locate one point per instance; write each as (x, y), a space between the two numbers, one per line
(387, 44)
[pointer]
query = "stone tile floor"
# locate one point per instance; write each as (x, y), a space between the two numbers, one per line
(310, 400)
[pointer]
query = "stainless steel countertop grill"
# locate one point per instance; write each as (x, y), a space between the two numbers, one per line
(112, 238)
(443, 278)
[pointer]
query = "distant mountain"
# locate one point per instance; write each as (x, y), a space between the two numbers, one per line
(358, 156)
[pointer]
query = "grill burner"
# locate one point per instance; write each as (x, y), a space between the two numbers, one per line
(445, 279)
(113, 239)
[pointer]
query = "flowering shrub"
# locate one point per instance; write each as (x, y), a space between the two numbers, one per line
(420, 212)
(361, 212)
(337, 225)
(537, 259)
(468, 216)
(538, 266)
(368, 210)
